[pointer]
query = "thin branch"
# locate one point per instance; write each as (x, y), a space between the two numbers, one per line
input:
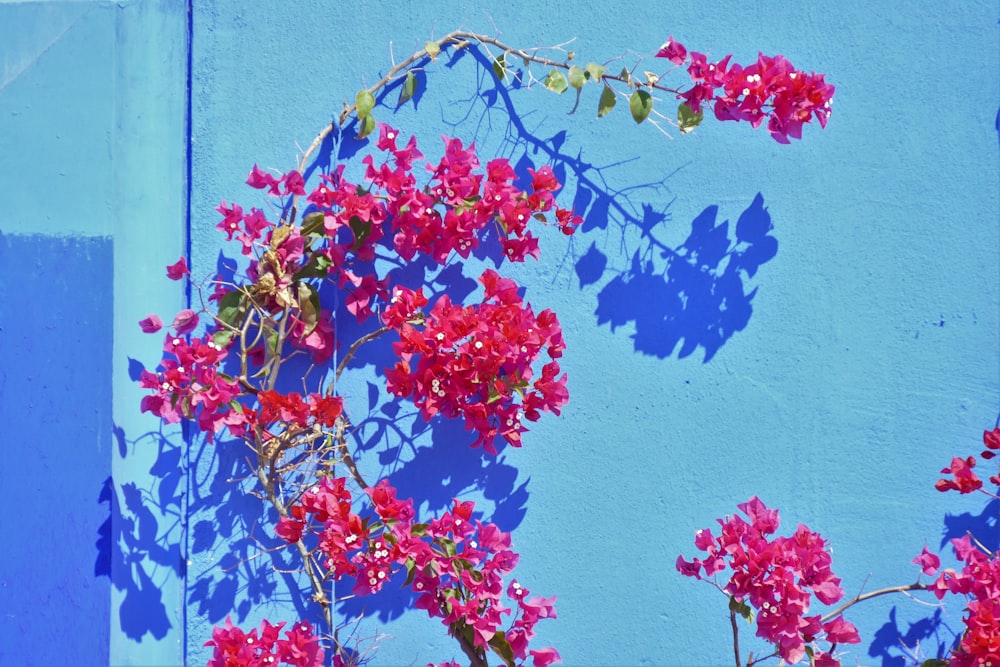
(874, 594)
(461, 39)
(354, 348)
(736, 637)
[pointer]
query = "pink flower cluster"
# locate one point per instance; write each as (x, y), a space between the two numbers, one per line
(447, 214)
(235, 648)
(778, 577)
(980, 581)
(190, 385)
(455, 564)
(770, 89)
(964, 480)
(475, 361)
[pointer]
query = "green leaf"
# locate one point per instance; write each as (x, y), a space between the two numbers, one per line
(607, 101)
(687, 119)
(934, 662)
(625, 76)
(502, 648)
(741, 608)
(361, 231)
(500, 67)
(312, 223)
(640, 104)
(223, 338)
(594, 71)
(309, 307)
(365, 126)
(556, 82)
(411, 571)
(408, 89)
(432, 49)
(577, 77)
(318, 266)
(365, 102)
(229, 307)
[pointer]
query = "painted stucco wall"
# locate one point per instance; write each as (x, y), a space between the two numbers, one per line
(817, 324)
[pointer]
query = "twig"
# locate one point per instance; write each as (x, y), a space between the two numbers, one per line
(860, 597)
(736, 637)
(354, 348)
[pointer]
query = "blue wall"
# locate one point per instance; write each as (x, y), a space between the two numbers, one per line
(93, 152)
(816, 324)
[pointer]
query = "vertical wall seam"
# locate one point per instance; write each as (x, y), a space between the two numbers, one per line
(188, 150)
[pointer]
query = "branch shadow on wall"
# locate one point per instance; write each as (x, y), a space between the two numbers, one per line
(936, 634)
(138, 545)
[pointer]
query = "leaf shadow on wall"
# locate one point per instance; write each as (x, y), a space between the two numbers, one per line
(673, 297)
(139, 543)
(937, 633)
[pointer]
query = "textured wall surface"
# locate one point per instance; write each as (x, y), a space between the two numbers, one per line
(817, 324)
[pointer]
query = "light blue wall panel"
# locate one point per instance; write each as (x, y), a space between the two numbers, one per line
(93, 156)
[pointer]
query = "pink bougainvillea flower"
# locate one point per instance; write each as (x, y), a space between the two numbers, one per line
(545, 656)
(675, 52)
(839, 631)
(928, 562)
(185, 322)
(151, 324)
(178, 269)
(965, 480)
(261, 179)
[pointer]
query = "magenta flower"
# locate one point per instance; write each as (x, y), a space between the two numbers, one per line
(151, 324)
(928, 562)
(675, 52)
(185, 321)
(178, 270)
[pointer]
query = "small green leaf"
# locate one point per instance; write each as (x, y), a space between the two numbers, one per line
(365, 102)
(411, 571)
(318, 266)
(312, 223)
(687, 119)
(229, 307)
(432, 49)
(625, 76)
(361, 231)
(741, 608)
(223, 338)
(408, 89)
(502, 648)
(365, 126)
(577, 77)
(934, 662)
(594, 71)
(500, 67)
(556, 82)
(607, 101)
(640, 104)
(309, 308)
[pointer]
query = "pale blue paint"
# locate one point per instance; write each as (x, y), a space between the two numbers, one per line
(858, 350)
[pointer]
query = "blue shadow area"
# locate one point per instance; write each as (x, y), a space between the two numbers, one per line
(55, 401)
